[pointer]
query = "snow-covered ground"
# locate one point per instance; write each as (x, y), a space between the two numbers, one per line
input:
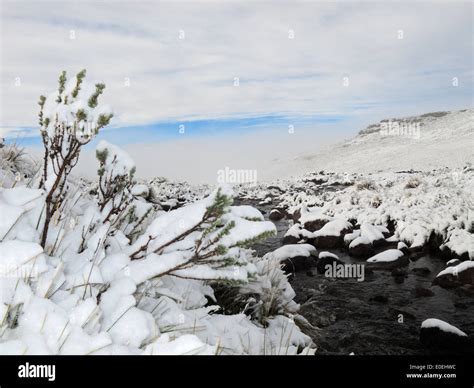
(425, 142)
(116, 266)
(131, 267)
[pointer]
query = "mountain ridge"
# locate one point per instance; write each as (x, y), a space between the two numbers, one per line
(425, 142)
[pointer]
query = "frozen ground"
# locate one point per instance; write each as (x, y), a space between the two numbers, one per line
(442, 139)
(157, 267)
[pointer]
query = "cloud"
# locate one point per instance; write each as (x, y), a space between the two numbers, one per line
(198, 159)
(193, 78)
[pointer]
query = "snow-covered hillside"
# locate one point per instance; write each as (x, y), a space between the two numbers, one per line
(425, 142)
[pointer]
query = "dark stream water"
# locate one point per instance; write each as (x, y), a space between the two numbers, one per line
(380, 315)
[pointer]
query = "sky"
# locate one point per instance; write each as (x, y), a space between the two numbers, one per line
(236, 75)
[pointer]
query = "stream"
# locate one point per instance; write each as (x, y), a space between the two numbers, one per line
(381, 315)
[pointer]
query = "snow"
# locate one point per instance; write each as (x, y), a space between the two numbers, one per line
(308, 215)
(66, 113)
(187, 344)
(461, 242)
(322, 255)
(386, 256)
(10, 215)
(444, 326)
(369, 234)
(457, 269)
(140, 190)
(401, 245)
(20, 196)
(349, 237)
(21, 259)
(294, 231)
(333, 228)
(292, 250)
(143, 287)
(86, 294)
(452, 261)
(154, 265)
(112, 264)
(444, 142)
(117, 162)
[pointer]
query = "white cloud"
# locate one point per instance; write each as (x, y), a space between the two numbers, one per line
(175, 79)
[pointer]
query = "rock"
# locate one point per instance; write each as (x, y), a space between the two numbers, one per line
(423, 271)
(453, 262)
(274, 188)
(276, 215)
(289, 240)
(457, 275)
(414, 256)
(459, 245)
(437, 334)
(294, 258)
(266, 201)
(296, 215)
(170, 204)
(314, 225)
(325, 242)
(401, 246)
(361, 250)
(331, 235)
(388, 260)
(297, 263)
(421, 292)
(434, 242)
(370, 237)
(293, 235)
(326, 258)
(349, 237)
(313, 220)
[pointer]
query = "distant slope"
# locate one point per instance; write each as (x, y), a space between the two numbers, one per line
(428, 141)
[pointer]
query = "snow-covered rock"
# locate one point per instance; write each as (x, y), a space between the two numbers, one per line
(331, 235)
(460, 244)
(326, 258)
(313, 219)
(294, 257)
(435, 333)
(276, 215)
(456, 275)
(389, 259)
(293, 235)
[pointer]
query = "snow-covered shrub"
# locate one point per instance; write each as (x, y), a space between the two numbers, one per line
(134, 280)
(69, 118)
(16, 165)
(365, 184)
(115, 173)
(412, 183)
(205, 240)
(269, 294)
